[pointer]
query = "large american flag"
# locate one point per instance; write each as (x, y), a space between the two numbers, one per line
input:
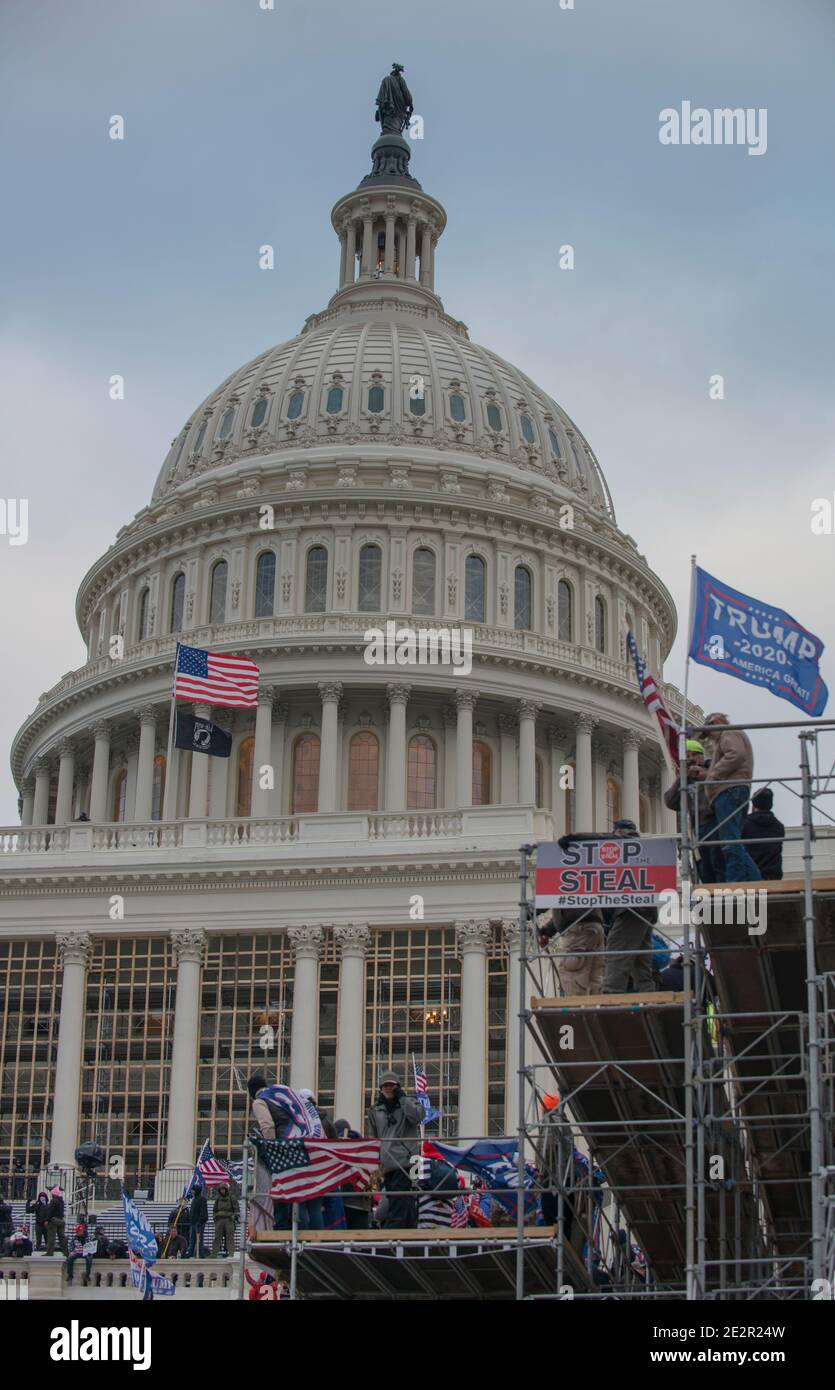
(231, 681)
(305, 1168)
(654, 700)
(211, 1169)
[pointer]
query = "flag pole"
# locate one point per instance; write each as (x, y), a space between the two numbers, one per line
(169, 778)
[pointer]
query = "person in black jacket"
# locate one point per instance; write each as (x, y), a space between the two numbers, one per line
(39, 1207)
(198, 1215)
(761, 824)
(6, 1220)
(55, 1223)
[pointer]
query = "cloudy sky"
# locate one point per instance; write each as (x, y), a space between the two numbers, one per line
(244, 125)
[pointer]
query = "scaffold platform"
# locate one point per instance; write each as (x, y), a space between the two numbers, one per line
(434, 1263)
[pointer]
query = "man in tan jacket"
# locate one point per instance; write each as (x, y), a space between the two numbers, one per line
(728, 789)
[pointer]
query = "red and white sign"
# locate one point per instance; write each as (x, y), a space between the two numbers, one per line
(627, 871)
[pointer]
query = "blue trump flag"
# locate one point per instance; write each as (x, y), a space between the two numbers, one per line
(141, 1238)
(494, 1161)
(756, 642)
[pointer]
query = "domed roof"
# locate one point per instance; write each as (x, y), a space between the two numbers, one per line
(320, 388)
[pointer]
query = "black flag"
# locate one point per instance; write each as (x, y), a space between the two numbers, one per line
(201, 736)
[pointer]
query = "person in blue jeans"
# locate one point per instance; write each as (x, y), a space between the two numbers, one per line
(728, 789)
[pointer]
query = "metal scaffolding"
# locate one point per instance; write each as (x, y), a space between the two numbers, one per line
(708, 1112)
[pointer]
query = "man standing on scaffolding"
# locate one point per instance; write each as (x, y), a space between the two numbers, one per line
(628, 957)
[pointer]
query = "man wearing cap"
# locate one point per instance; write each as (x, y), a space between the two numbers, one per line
(728, 787)
(394, 1119)
(700, 815)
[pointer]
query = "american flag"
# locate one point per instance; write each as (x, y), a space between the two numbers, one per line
(654, 701)
(209, 1168)
(231, 681)
(422, 1093)
(421, 1083)
(305, 1168)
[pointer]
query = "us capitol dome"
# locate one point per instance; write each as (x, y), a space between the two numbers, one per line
(340, 893)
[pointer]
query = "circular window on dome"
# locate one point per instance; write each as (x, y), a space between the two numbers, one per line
(294, 405)
(457, 409)
(527, 429)
(335, 397)
(555, 444)
(259, 413)
(376, 399)
(494, 416)
(226, 423)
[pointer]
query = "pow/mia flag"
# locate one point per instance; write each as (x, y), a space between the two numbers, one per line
(201, 736)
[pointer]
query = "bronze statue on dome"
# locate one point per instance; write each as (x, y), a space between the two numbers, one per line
(394, 103)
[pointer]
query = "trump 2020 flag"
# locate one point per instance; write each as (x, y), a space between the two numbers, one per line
(756, 642)
(141, 1238)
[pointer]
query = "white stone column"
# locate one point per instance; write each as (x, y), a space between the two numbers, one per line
(304, 1033)
(411, 227)
(188, 948)
(600, 766)
(262, 753)
(510, 932)
(558, 740)
(101, 772)
(351, 254)
(74, 950)
(198, 791)
(527, 752)
(28, 793)
(631, 778)
(368, 256)
(473, 939)
(465, 702)
(508, 760)
(82, 783)
(352, 944)
(582, 774)
(40, 806)
(143, 801)
(66, 774)
(343, 255)
(388, 263)
(331, 693)
(449, 714)
(398, 698)
(281, 714)
(425, 254)
(400, 242)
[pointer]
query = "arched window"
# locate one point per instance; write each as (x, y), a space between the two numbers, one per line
(178, 594)
(120, 788)
(474, 591)
(335, 397)
(363, 772)
(417, 404)
(217, 598)
(422, 773)
(555, 444)
(243, 793)
(158, 787)
(569, 801)
(481, 773)
(600, 624)
(522, 598)
(306, 774)
(494, 416)
(612, 803)
(144, 614)
(316, 580)
(538, 783)
(201, 435)
(565, 612)
(259, 413)
(294, 405)
(226, 423)
(376, 399)
(265, 584)
(527, 429)
(457, 409)
(370, 579)
(423, 581)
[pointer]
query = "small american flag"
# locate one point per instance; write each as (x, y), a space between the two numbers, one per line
(305, 1168)
(654, 701)
(422, 1093)
(231, 681)
(210, 1168)
(421, 1084)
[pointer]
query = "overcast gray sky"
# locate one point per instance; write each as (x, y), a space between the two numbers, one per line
(244, 126)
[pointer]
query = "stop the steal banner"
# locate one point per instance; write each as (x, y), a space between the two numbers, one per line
(628, 872)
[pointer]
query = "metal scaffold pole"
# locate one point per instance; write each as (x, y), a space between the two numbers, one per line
(816, 1127)
(523, 985)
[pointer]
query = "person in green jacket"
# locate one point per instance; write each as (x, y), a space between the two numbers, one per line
(225, 1212)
